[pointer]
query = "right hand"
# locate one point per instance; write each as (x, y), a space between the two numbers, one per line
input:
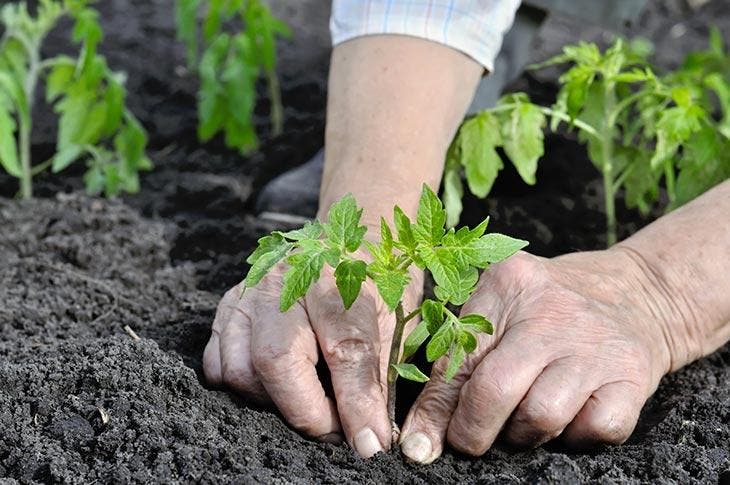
(269, 356)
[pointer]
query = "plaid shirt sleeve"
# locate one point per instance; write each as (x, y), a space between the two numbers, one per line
(475, 27)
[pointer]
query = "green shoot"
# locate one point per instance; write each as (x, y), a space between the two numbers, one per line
(94, 124)
(231, 64)
(638, 128)
(453, 258)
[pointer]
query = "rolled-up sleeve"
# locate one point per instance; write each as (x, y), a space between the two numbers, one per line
(474, 27)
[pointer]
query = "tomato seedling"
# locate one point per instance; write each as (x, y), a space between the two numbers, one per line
(94, 124)
(231, 64)
(638, 127)
(453, 258)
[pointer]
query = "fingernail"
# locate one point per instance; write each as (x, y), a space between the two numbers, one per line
(331, 438)
(417, 447)
(367, 443)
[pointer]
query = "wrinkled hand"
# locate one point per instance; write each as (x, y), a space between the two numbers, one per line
(577, 351)
(269, 356)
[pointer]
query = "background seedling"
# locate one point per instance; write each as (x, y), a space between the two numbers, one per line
(88, 97)
(231, 64)
(639, 128)
(453, 258)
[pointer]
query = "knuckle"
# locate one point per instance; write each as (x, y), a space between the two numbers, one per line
(483, 388)
(542, 415)
(273, 362)
(612, 428)
(349, 352)
(237, 376)
(465, 445)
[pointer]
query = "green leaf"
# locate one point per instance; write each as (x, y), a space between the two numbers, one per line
(467, 341)
(66, 157)
(310, 230)
(523, 139)
(415, 339)
(455, 281)
(349, 277)
(386, 236)
(431, 218)
(343, 227)
(497, 247)
(187, 27)
(440, 343)
(433, 316)
(404, 230)
(410, 372)
(271, 250)
(456, 359)
(59, 77)
(130, 143)
(8, 145)
(391, 283)
(477, 323)
(479, 137)
(453, 187)
(305, 270)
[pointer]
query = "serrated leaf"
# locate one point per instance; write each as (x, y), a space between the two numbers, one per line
(523, 140)
(187, 27)
(440, 343)
(453, 187)
(343, 227)
(349, 277)
(495, 247)
(66, 157)
(391, 283)
(432, 313)
(479, 137)
(305, 270)
(456, 359)
(410, 372)
(59, 77)
(8, 145)
(404, 230)
(415, 339)
(271, 249)
(477, 323)
(467, 341)
(386, 235)
(310, 230)
(431, 218)
(455, 282)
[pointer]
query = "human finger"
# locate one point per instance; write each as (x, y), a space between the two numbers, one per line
(554, 399)
(284, 355)
(350, 343)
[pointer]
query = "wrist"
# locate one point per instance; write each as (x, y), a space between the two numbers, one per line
(662, 300)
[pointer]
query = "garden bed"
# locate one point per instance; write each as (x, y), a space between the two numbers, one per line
(82, 401)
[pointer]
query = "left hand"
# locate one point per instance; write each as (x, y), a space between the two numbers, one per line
(578, 348)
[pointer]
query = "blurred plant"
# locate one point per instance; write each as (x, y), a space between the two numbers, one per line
(452, 257)
(93, 124)
(638, 127)
(231, 64)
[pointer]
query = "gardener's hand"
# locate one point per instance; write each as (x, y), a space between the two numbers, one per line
(577, 350)
(270, 356)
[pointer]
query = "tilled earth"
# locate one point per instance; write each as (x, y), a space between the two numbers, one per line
(81, 401)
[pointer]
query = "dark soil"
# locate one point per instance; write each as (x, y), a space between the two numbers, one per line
(82, 402)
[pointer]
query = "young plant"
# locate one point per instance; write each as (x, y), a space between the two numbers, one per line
(94, 124)
(231, 64)
(453, 258)
(637, 127)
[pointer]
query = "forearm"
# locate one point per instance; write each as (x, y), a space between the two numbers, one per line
(684, 259)
(395, 103)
